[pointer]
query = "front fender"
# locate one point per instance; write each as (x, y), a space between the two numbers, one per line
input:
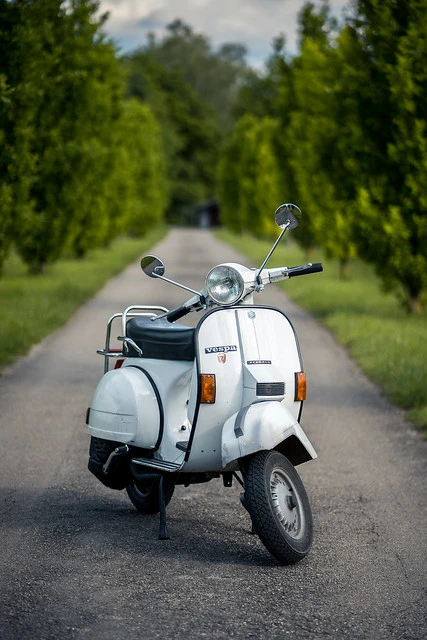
(264, 426)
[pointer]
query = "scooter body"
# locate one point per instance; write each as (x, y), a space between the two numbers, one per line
(251, 356)
(186, 405)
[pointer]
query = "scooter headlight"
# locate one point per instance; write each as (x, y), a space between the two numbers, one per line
(224, 285)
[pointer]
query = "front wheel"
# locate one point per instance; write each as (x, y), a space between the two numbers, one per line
(278, 505)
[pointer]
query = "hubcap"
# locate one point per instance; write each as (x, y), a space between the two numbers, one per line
(143, 489)
(286, 503)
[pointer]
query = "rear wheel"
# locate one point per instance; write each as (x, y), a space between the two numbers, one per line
(278, 505)
(144, 494)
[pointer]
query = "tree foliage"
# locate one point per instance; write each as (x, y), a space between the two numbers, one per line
(340, 128)
(6, 209)
(249, 176)
(351, 143)
(190, 89)
(61, 121)
(323, 136)
(142, 163)
(391, 229)
(212, 75)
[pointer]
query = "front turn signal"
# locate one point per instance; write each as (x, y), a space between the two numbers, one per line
(300, 386)
(207, 388)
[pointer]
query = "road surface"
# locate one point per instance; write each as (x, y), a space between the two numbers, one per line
(77, 561)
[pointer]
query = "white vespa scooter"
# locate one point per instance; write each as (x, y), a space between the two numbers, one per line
(186, 405)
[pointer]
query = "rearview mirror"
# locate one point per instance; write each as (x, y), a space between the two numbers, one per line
(152, 266)
(287, 216)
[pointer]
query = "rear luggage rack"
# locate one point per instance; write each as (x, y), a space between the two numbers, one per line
(131, 312)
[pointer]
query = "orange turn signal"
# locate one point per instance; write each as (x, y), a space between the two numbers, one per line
(300, 386)
(207, 388)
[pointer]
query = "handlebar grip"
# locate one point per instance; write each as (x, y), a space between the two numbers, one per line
(177, 313)
(316, 267)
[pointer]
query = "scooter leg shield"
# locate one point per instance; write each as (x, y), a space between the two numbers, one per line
(264, 426)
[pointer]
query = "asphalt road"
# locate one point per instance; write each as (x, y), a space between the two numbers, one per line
(77, 561)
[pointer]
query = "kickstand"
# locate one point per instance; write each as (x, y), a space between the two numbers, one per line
(163, 530)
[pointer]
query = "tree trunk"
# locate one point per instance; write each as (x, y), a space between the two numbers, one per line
(37, 267)
(344, 269)
(415, 303)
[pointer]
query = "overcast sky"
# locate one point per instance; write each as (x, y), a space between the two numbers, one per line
(253, 23)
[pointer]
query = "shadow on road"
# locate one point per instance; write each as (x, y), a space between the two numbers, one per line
(76, 520)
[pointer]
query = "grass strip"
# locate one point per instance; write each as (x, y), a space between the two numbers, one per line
(389, 345)
(31, 307)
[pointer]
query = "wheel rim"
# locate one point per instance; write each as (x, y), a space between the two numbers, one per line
(286, 503)
(143, 490)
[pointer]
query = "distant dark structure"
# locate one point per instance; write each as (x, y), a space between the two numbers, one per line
(204, 214)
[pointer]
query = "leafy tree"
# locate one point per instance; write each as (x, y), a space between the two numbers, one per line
(316, 25)
(5, 188)
(228, 183)
(28, 74)
(260, 177)
(66, 97)
(90, 129)
(323, 134)
(258, 92)
(249, 177)
(189, 128)
(391, 229)
(142, 152)
(212, 75)
(269, 97)
(7, 17)
(190, 88)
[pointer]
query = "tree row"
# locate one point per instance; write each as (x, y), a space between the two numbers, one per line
(80, 163)
(93, 144)
(341, 129)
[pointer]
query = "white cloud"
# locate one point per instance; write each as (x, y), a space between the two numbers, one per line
(251, 22)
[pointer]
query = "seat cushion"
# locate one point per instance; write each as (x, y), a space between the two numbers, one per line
(160, 339)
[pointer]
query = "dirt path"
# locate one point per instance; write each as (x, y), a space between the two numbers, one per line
(78, 562)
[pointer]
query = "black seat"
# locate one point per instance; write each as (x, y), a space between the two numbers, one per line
(161, 340)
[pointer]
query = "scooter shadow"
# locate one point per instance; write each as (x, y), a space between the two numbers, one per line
(221, 535)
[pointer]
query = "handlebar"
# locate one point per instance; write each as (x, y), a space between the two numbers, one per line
(302, 271)
(201, 301)
(177, 313)
(283, 273)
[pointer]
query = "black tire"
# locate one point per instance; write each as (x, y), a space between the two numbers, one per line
(144, 495)
(278, 505)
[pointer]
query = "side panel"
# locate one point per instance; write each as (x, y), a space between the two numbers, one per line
(270, 355)
(218, 353)
(253, 353)
(122, 397)
(140, 402)
(172, 379)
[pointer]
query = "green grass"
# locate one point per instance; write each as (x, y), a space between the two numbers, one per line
(31, 307)
(389, 345)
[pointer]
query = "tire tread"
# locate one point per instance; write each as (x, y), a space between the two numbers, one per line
(263, 518)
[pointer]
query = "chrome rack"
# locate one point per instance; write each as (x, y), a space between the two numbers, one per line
(130, 312)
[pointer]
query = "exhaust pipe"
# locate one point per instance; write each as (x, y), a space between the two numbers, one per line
(114, 472)
(117, 452)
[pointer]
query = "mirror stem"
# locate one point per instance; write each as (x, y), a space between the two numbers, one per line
(258, 276)
(156, 275)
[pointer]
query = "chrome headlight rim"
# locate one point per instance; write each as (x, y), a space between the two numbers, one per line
(227, 272)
